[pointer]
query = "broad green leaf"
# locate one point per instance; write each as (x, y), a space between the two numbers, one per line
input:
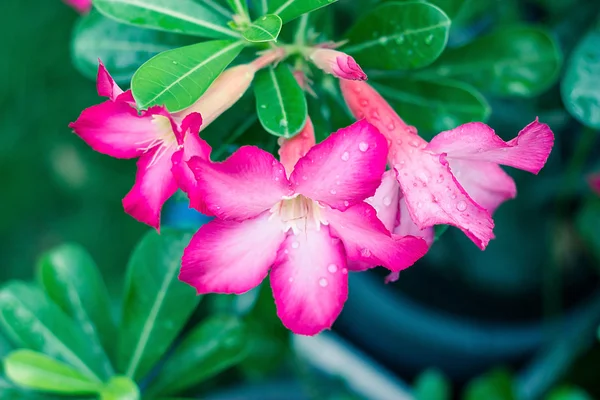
(432, 385)
(32, 321)
(122, 48)
(496, 385)
(156, 304)
(120, 388)
(264, 29)
(216, 344)
(177, 78)
(181, 16)
(514, 61)
(433, 106)
(581, 84)
(280, 101)
(38, 371)
(10, 391)
(289, 9)
(399, 36)
(71, 279)
(450, 7)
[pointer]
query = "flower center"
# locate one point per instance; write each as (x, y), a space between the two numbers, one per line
(165, 138)
(298, 213)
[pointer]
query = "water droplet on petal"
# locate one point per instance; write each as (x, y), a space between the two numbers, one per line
(304, 177)
(365, 252)
(364, 102)
(332, 268)
(387, 201)
(419, 205)
(323, 282)
(345, 156)
(363, 146)
(461, 206)
(295, 245)
(414, 143)
(346, 203)
(375, 115)
(391, 126)
(344, 271)
(333, 191)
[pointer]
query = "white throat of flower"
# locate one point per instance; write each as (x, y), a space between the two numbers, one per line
(298, 213)
(165, 138)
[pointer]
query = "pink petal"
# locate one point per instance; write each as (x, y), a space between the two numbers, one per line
(594, 181)
(485, 182)
(116, 129)
(338, 64)
(366, 239)
(385, 200)
(407, 227)
(105, 84)
(477, 141)
(248, 183)
(231, 256)
(310, 281)
(344, 169)
(291, 150)
(154, 184)
(82, 6)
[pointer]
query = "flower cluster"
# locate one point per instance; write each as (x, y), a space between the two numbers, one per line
(321, 210)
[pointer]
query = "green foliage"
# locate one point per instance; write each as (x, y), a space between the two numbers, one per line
(264, 29)
(494, 385)
(431, 384)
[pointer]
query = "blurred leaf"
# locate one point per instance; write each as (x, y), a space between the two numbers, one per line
(156, 304)
(178, 77)
(399, 36)
(8, 391)
(494, 385)
(280, 101)
(239, 7)
(181, 16)
(568, 393)
(264, 29)
(122, 48)
(433, 106)
(213, 346)
(120, 388)
(513, 61)
(581, 84)
(290, 9)
(37, 371)
(432, 385)
(439, 230)
(71, 279)
(587, 225)
(32, 321)
(450, 7)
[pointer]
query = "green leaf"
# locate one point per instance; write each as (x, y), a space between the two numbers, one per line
(120, 388)
(450, 7)
(181, 16)
(513, 61)
(496, 385)
(239, 7)
(216, 344)
(432, 385)
(280, 101)
(289, 9)
(38, 371)
(581, 87)
(264, 29)
(433, 106)
(156, 304)
(177, 78)
(32, 321)
(399, 36)
(71, 279)
(122, 48)
(568, 393)
(439, 230)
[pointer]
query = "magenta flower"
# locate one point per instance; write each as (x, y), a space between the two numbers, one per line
(455, 179)
(155, 136)
(339, 64)
(594, 182)
(82, 6)
(307, 229)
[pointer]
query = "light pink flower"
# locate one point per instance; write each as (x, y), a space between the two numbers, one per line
(306, 229)
(82, 6)
(456, 179)
(339, 64)
(155, 136)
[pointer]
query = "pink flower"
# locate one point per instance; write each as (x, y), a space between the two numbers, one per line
(594, 182)
(455, 179)
(155, 136)
(338, 64)
(307, 229)
(82, 6)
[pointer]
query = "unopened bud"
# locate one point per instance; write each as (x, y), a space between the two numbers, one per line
(339, 64)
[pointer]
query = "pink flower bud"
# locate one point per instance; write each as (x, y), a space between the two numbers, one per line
(82, 6)
(338, 64)
(224, 92)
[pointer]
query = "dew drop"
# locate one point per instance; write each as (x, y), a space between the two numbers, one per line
(364, 102)
(429, 40)
(323, 282)
(375, 115)
(387, 201)
(283, 122)
(345, 156)
(391, 126)
(414, 143)
(419, 205)
(400, 39)
(346, 203)
(263, 106)
(295, 245)
(174, 62)
(332, 268)
(333, 191)
(461, 206)
(344, 271)
(363, 146)
(304, 177)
